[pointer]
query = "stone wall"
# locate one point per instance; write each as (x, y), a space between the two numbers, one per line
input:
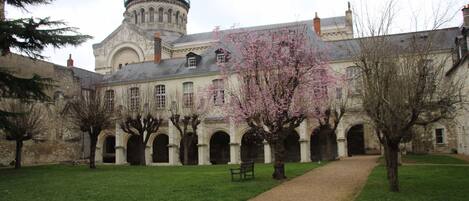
(60, 142)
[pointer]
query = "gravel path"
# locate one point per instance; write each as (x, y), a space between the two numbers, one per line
(336, 181)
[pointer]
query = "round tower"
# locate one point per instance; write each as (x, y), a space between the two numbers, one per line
(166, 16)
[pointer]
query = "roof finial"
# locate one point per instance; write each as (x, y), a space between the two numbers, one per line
(349, 6)
(316, 13)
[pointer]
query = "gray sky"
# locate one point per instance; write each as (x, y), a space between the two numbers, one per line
(100, 17)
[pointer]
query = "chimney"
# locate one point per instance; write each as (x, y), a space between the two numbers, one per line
(157, 48)
(317, 24)
(70, 61)
(465, 13)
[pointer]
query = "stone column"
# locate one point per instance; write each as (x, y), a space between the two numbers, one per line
(148, 155)
(203, 149)
(173, 145)
(121, 154)
(267, 153)
(98, 157)
(235, 154)
(305, 149)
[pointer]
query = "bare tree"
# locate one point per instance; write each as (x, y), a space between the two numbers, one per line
(139, 120)
(403, 81)
(26, 123)
(91, 115)
(187, 111)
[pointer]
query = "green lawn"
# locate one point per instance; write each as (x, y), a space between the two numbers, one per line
(67, 183)
(422, 182)
(432, 159)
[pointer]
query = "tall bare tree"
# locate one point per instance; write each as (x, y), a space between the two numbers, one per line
(140, 121)
(91, 115)
(403, 80)
(24, 125)
(187, 111)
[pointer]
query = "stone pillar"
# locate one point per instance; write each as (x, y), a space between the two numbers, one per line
(203, 149)
(98, 157)
(173, 145)
(305, 149)
(148, 155)
(235, 149)
(121, 153)
(267, 153)
(341, 142)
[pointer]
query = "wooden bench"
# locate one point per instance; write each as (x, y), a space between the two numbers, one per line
(245, 171)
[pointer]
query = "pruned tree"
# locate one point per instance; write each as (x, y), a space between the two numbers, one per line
(403, 80)
(140, 121)
(187, 111)
(277, 78)
(24, 125)
(90, 114)
(29, 36)
(329, 120)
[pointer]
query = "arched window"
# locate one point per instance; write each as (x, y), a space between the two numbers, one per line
(170, 16)
(134, 99)
(160, 14)
(142, 15)
(135, 17)
(160, 96)
(188, 94)
(177, 17)
(152, 15)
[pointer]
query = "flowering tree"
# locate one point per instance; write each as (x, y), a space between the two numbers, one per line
(276, 79)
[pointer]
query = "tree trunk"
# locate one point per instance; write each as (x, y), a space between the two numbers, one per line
(141, 149)
(186, 144)
(19, 147)
(392, 164)
(94, 140)
(279, 161)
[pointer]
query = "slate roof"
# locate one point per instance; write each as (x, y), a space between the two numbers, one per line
(88, 79)
(171, 68)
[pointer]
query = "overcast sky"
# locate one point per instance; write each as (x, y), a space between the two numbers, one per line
(99, 18)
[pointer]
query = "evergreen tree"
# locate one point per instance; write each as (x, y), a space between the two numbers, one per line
(29, 36)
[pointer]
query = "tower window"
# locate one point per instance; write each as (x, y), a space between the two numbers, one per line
(160, 14)
(142, 13)
(177, 17)
(170, 16)
(152, 15)
(135, 17)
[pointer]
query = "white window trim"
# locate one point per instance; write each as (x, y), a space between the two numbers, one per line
(191, 62)
(221, 58)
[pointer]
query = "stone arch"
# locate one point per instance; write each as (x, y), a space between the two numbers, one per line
(252, 147)
(119, 53)
(160, 153)
(109, 149)
(292, 147)
(132, 150)
(323, 145)
(356, 140)
(101, 145)
(220, 148)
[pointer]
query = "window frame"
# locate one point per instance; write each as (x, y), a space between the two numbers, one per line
(134, 99)
(191, 62)
(218, 92)
(188, 94)
(443, 140)
(160, 97)
(109, 99)
(221, 58)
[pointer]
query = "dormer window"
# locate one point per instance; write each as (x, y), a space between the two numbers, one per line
(222, 56)
(192, 60)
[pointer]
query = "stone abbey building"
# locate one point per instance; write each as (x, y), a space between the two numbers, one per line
(151, 55)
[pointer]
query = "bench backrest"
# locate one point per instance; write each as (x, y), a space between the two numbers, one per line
(247, 166)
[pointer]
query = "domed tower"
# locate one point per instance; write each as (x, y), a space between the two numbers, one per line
(169, 17)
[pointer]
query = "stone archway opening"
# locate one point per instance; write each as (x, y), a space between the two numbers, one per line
(356, 140)
(161, 149)
(193, 152)
(323, 145)
(252, 147)
(220, 148)
(292, 147)
(109, 149)
(133, 150)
